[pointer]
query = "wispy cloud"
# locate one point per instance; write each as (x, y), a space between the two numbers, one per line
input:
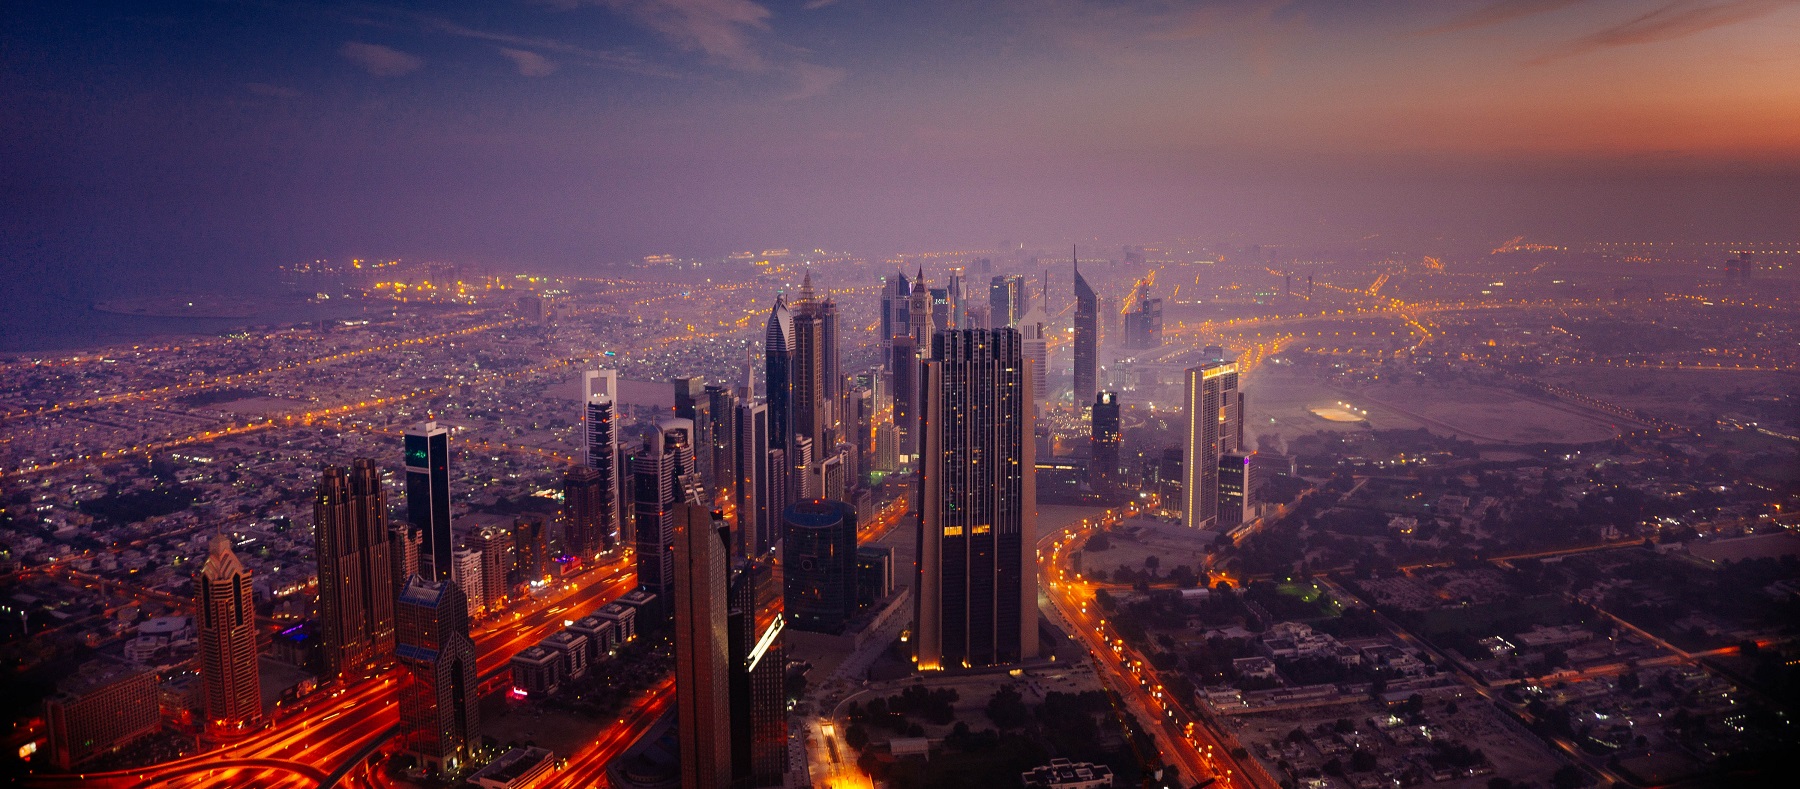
(1674, 20)
(379, 60)
(734, 34)
(603, 58)
(530, 64)
(1498, 13)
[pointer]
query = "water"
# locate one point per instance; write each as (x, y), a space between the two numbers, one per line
(61, 317)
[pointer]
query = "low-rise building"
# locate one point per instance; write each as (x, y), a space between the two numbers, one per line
(108, 704)
(518, 768)
(1064, 774)
(536, 672)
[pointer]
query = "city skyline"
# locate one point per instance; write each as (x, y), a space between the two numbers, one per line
(826, 394)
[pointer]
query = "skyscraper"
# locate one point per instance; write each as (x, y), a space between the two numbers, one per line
(1103, 441)
(1087, 340)
(498, 565)
(466, 572)
(759, 732)
(1236, 489)
(778, 361)
(428, 495)
(658, 472)
(1211, 405)
(806, 376)
(818, 565)
(231, 686)
(531, 557)
(405, 544)
(350, 535)
(702, 649)
(755, 532)
(723, 404)
(585, 495)
(976, 598)
(1143, 323)
(896, 315)
(1008, 298)
(600, 418)
(1036, 348)
(692, 403)
(440, 717)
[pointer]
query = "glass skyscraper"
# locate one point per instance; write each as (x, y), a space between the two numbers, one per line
(428, 496)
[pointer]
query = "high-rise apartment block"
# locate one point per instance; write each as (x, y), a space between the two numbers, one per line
(1213, 408)
(702, 649)
(356, 587)
(976, 593)
(659, 476)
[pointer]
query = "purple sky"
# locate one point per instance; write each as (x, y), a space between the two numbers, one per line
(219, 136)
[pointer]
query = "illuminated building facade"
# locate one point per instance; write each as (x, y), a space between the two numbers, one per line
(228, 656)
(976, 594)
(440, 716)
(818, 563)
(428, 496)
(356, 602)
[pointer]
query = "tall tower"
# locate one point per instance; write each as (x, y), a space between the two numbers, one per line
(976, 599)
(1104, 444)
(585, 496)
(440, 717)
(896, 315)
(806, 378)
(691, 403)
(1087, 340)
(658, 472)
(778, 361)
(1211, 405)
(600, 418)
(702, 650)
(723, 404)
(232, 689)
(428, 495)
(759, 731)
(350, 534)
(755, 532)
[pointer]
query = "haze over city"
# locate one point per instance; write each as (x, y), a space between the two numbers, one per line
(840, 393)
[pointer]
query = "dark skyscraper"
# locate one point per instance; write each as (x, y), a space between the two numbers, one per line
(1008, 298)
(440, 719)
(1143, 318)
(896, 316)
(692, 403)
(723, 405)
(1104, 444)
(759, 731)
(600, 421)
(976, 602)
(428, 496)
(778, 361)
(1087, 340)
(806, 376)
(531, 551)
(356, 589)
(755, 532)
(659, 474)
(818, 565)
(702, 648)
(1235, 489)
(585, 495)
(231, 687)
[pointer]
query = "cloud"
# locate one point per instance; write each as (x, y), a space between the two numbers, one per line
(1674, 20)
(1498, 13)
(531, 64)
(604, 58)
(812, 80)
(813, 5)
(379, 60)
(729, 33)
(272, 91)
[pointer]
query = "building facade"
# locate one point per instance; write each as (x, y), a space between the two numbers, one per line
(353, 540)
(976, 594)
(232, 686)
(440, 716)
(818, 562)
(428, 496)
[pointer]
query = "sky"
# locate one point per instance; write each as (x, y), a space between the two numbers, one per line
(206, 139)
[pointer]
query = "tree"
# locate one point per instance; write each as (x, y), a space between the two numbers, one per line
(1006, 708)
(1151, 562)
